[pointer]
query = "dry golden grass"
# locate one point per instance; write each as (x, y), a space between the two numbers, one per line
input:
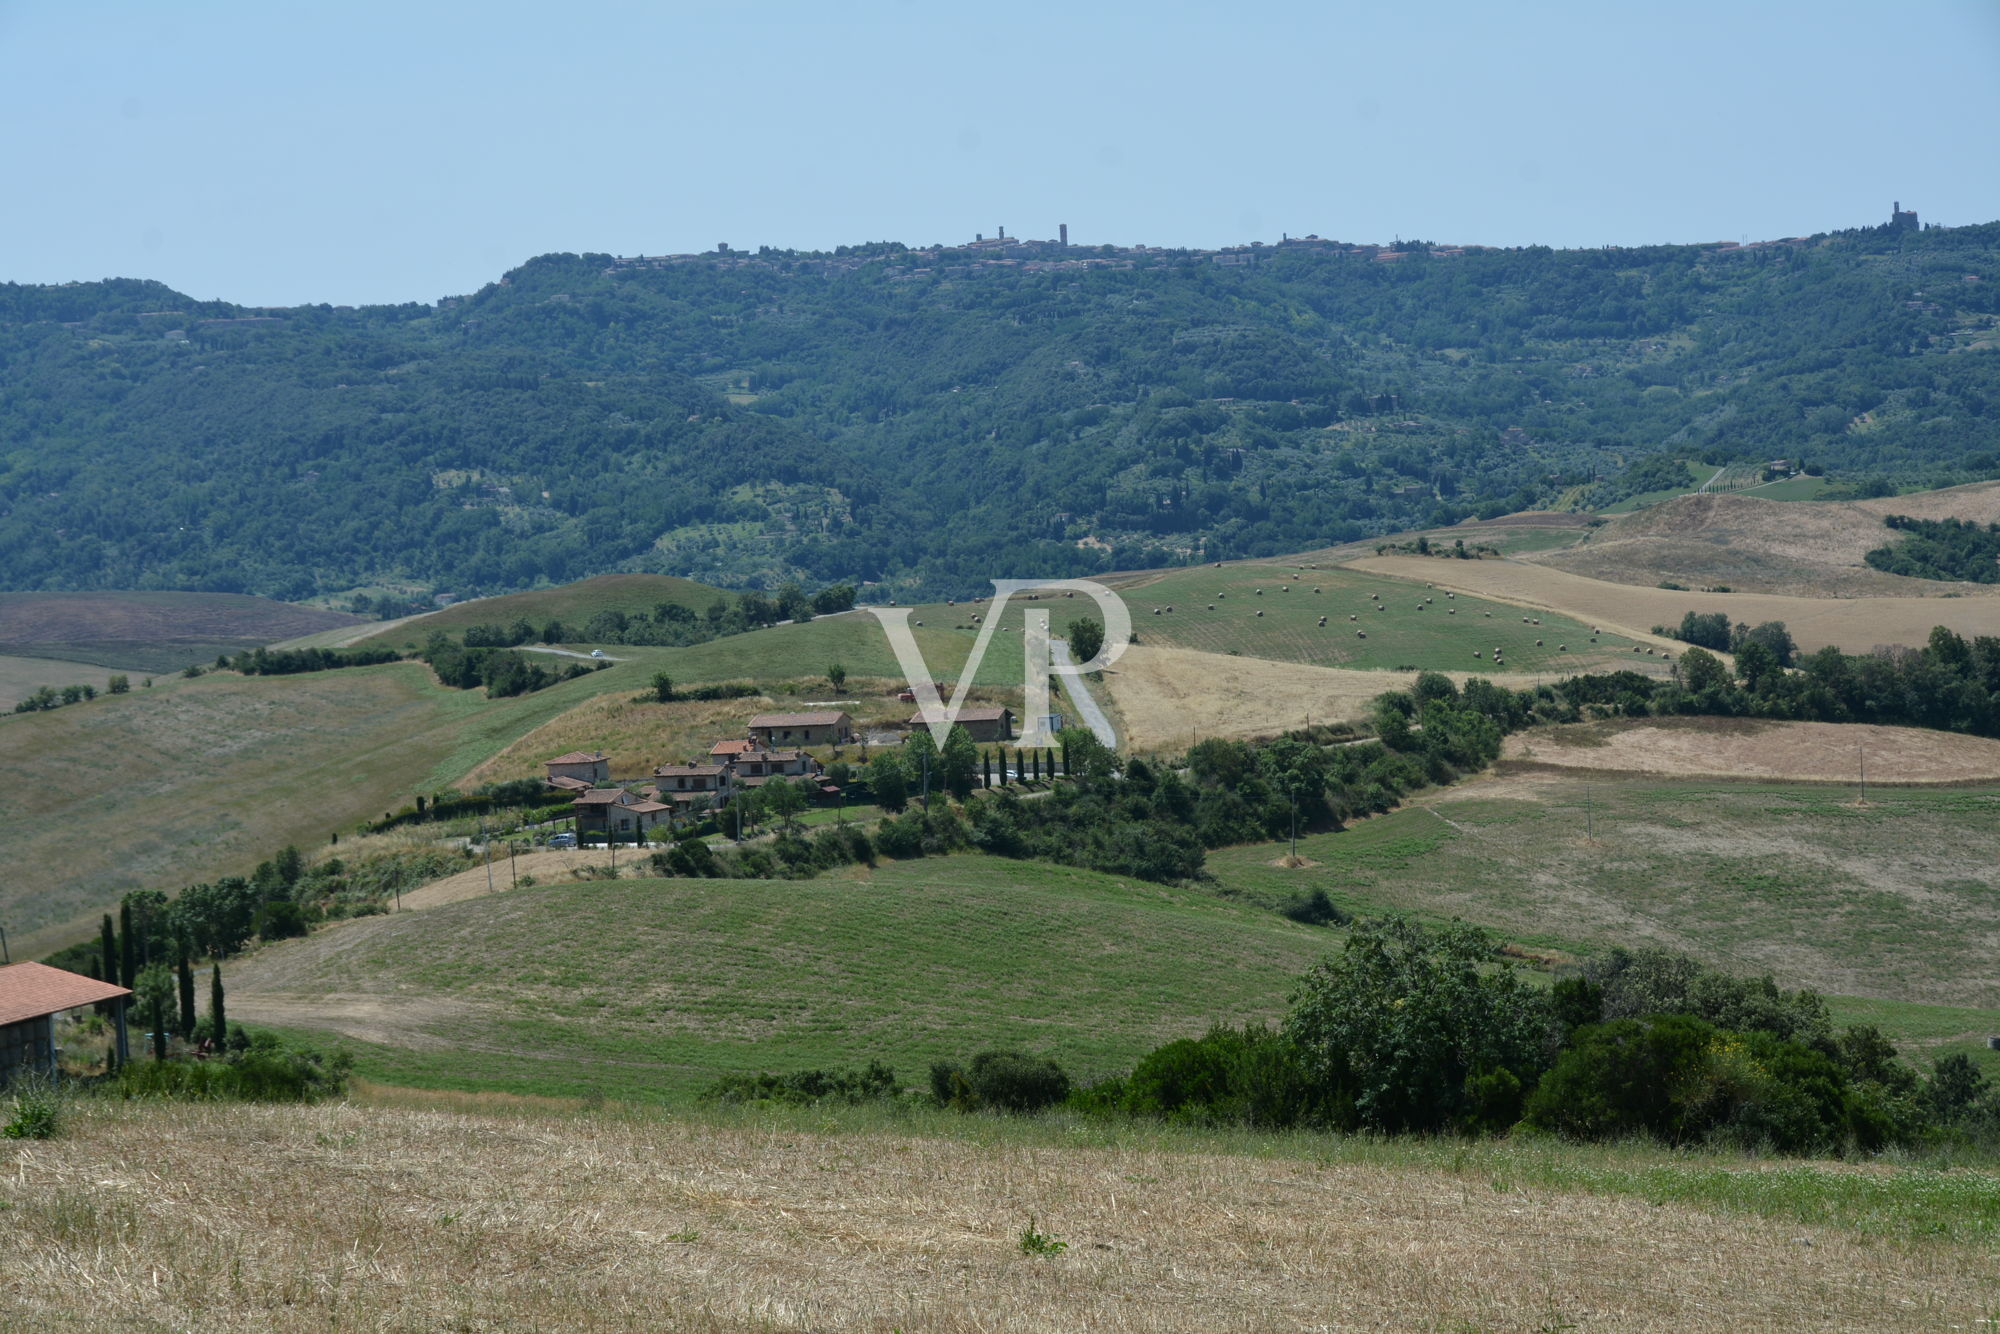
(1855, 625)
(637, 735)
(1169, 698)
(1748, 748)
(1768, 546)
(412, 1218)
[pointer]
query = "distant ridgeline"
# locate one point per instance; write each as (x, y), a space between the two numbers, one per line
(934, 418)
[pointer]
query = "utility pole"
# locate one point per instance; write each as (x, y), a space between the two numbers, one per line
(1862, 752)
(513, 876)
(1589, 817)
(486, 848)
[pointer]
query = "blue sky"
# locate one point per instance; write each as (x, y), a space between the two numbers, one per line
(273, 153)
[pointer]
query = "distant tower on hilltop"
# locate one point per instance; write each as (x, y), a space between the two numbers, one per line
(1062, 233)
(1901, 221)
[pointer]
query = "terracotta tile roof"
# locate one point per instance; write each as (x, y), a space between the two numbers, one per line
(568, 784)
(798, 719)
(648, 807)
(604, 796)
(31, 990)
(731, 747)
(688, 770)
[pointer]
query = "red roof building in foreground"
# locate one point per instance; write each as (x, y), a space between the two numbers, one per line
(31, 996)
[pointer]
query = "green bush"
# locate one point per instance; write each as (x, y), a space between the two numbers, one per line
(37, 1112)
(804, 1087)
(1682, 1080)
(1246, 1076)
(268, 1072)
(1005, 1081)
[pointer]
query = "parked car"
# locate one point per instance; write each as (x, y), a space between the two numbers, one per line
(563, 840)
(597, 653)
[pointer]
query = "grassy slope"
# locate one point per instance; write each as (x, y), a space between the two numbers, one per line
(1890, 905)
(158, 632)
(1444, 635)
(22, 677)
(572, 604)
(193, 779)
(649, 987)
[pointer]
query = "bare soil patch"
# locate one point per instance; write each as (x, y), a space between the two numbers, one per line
(1171, 697)
(1747, 748)
(161, 630)
(346, 1216)
(1854, 625)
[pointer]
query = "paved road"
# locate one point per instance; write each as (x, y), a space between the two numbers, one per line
(1079, 694)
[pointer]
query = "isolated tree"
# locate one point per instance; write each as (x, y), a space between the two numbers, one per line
(836, 676)
(217, 1020)
(663, 688)
(957, 761)
(986, 768)
(889, 781)
(1083, 753)
(1086, 638)
(185, 977)
(128, 970)
(920, 754)
(118, 685)
(1296, 768)
(110, 943)
(783, 801)
(155, 992)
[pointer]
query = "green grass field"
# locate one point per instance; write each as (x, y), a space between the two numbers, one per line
(192, 779)
(644, 988)
(572, 604)
(1890, 906)
(1444, 634)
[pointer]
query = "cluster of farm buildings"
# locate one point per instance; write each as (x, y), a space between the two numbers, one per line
(775, 746)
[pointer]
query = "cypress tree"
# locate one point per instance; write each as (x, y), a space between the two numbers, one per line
(127, 972)
(986, 769)
(186, 979)
(1036, 757)
(110, 952)
(218, 1023)
(159, 1009)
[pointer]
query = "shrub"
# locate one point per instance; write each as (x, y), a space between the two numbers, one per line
(1315, 909)
(1246, 1076)
(37, 1112)
(804, 1087)
(1005, 1081)
(269, 1071)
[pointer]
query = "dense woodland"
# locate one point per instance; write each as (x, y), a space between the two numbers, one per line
(933, 420)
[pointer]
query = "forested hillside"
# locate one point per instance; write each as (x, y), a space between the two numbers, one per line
(936, 418)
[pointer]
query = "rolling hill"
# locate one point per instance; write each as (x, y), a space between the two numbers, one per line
(1768, 546)
(151, 631)
(929, 419)
(646, 988)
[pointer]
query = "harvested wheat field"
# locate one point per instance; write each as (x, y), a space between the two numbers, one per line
(1171, 697)
(408, 1218)
(1854, 625)
(1768, 546)
(1753, 748)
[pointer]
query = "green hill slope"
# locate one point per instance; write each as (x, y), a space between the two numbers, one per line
(573, 604)
(655, 987)
(935, 418)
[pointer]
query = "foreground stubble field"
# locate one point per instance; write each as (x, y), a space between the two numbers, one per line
(408, 1218)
